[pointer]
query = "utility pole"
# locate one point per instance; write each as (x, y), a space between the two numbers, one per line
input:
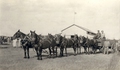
(74, 16)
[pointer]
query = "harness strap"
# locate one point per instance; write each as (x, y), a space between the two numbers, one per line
(25, 43)
(49, 40)
(72, 40)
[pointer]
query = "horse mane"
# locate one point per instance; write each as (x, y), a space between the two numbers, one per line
(37, 38)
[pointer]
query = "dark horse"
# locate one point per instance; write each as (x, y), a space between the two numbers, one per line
(59, 43)
(25, 42)
(65, 43)
(87, 43)
(40, 43)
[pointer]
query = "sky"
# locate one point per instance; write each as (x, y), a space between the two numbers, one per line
(51, 16)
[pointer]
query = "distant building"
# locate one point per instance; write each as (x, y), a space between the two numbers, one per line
(16, 42)
(5, 40)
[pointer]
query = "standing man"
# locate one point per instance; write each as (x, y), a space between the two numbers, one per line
(102, 35)
(17, 43)
(106, 45)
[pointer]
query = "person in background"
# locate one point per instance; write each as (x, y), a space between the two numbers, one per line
(118, 46)
(14, 43)
(106, 45)
(17, 43)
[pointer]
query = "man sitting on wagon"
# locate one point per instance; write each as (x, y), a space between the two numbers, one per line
(102, 37)
(98, 35)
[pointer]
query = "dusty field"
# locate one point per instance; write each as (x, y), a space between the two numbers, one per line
(12, 59)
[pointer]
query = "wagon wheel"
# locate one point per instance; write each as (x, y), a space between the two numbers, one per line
(100, 45)
(100, 48)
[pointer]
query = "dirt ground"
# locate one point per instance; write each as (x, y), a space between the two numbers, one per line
(12, 59)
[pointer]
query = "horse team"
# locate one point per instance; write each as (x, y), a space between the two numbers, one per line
(52, 42)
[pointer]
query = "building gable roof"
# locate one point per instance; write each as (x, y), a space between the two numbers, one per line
(85, 29)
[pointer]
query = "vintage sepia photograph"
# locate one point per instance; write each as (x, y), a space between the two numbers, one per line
(59, 34)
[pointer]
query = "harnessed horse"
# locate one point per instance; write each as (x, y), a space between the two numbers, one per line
(87, 44)
(65, 43)
(42, 43)
(25, 41)
(59, 43)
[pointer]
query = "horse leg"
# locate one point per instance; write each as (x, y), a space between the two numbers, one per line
(85, 50)
(36, 49)
(113, 49)
(74, 48)
(61, 51)
(94, 49)
(40, 52)
(50, 52)
(101, 49)
(77, 49)
(24, 51)
(88, 50)
(56, 51)
(65, 50)
(28, 52)
(53, 51)
(80, 49)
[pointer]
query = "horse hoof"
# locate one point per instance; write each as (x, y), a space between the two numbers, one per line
(38, 59)
(49, 56)
(60, 56)
(53, 57)
(28, 57)
(74, 54)
(25, 57)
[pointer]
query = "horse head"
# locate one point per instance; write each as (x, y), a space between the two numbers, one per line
(19, 34)
(50, 36)
(58, 38)
(34, 37)
(64, 41)
(81, 39)
(75, 37)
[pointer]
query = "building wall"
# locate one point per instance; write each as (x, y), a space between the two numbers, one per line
(75, 30)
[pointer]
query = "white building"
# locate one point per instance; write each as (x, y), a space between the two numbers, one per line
(17, 43)
(75, 29)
